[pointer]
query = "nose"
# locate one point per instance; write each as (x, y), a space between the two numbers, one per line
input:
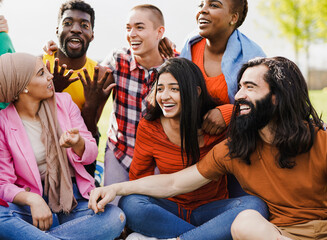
(203, 9)
(240, 94)
(76, 28)
(165, 95)
(132, 32)
(49, 76)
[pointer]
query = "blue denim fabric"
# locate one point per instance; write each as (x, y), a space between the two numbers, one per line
(159, 217)
(16, 223)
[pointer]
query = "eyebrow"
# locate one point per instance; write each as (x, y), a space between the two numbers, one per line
(249, 82)
(72, 19)
(216, 1)
(160, 84)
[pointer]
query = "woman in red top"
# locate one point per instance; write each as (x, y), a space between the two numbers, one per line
(170, 137)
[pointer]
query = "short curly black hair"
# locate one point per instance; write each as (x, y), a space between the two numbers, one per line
(77, 5)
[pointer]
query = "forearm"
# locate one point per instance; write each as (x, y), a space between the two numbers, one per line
(79, 147)
(24, 198)
(89, 114)
(163, 185)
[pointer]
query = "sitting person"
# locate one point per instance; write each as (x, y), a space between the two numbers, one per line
(275, 147)
(44, 144)
(170, 137)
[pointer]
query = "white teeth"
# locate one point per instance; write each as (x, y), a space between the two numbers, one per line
(169, 105)
(202, 21)
(75, 40)
(244, 107)
(136, 43)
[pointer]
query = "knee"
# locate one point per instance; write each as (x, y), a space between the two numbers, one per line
(257, 204)
(243, 226)
(132, 203)
(115, 216)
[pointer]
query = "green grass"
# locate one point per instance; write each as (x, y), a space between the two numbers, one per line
(319, 101)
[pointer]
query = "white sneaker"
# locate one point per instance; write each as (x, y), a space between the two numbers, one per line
(139, 236)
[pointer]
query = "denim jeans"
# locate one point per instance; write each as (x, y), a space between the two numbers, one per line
(159, 217)
(16, 223)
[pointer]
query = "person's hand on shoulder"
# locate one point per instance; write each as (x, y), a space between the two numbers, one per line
(213, 122)
(60, 79)
(3, 24)
(50, 47)
(166, 48)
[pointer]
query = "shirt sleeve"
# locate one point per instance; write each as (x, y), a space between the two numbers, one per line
(91, 150)
(143, 163)
(214, 164)
(227, 111)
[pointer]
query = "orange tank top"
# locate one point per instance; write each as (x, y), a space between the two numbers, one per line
(217, 86)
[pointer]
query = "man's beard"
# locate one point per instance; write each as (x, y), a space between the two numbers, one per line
(73, 54)
(258, 117)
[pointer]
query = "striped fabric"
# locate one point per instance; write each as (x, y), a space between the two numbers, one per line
(153, 148)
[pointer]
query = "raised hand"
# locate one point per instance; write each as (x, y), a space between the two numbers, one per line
(60, 80)
(50, 47)
(94, 91)
(72, 138)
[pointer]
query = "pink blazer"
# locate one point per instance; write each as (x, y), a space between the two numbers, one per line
(18, 167)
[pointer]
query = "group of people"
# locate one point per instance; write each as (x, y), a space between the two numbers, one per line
(217, 142)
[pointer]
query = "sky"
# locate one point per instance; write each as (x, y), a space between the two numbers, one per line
(33, 22)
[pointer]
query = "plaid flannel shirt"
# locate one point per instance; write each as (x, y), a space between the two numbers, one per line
(133, 85)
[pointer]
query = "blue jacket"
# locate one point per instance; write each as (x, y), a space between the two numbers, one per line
(239, 50)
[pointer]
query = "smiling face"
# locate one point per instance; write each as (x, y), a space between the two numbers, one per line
(41, 85)
(168, 96)
(252, 87)
(214, 18)
(75, 33)
(143, 33)
(255, 104)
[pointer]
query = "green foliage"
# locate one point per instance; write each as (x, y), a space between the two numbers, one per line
(303, 22)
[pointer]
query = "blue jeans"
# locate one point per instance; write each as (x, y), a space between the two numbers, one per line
(16, 223)
(159, 217)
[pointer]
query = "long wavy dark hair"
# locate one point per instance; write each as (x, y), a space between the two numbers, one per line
(194, 106)
(295, 118)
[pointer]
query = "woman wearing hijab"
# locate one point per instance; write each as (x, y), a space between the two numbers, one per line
(44, 144)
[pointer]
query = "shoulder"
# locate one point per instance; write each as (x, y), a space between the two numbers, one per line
(117, 57)
(150, 127)
(321, 139)
(250, 48)
(63, 100)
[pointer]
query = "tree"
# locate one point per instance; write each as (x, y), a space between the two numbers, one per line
(303, 22)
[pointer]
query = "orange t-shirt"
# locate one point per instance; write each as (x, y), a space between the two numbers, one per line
(153, 148)
(294, 196)
(217, 86)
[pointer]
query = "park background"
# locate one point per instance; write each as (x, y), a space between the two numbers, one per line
(33, 22)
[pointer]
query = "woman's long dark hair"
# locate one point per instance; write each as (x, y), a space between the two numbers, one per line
(295, 118)
(194, 106)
